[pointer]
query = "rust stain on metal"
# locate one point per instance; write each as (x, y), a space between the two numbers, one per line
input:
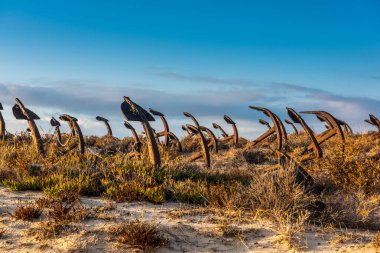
(22, 113)
(213, 141)
(2, 124)
(317, 151)
(216, 126)
(184, 128)
(57, 131)
(265, 123)
(235, 136)
(204, 153)
(168, 136)
(75, 131)
(226, 137)
(187, 114)
(137, 143)
(134, 112)
(334, 128)
(278, 129)
(294, 127)
(373, 120)
(346, 127)
(105, 121)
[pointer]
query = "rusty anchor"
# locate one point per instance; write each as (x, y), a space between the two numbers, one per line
(137, 143)
(204, 153)
(294, 127)
(184, 128)
(227, 137)
(334, 128)
(105, 121)
(22, 113)
(2, 124)
(374, 121)
(278, 129)
(315, 147)
(265, 123)
(57, 131)
(235, 136)
(216, 126)
(168, 136)
(133, 112)
(74, 139)
(346, 127)
(213, 141)
(301, 175)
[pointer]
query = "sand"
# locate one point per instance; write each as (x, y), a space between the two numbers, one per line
(188, 229)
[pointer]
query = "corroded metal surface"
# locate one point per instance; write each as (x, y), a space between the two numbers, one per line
(216, 126)
(134, 112)
(20, 112)
(265, 123)
(137, 143)
(334, 128)
(373, 120)
(184, 128)
(187, 114)
(57, 132)
(317, 151)
(213, 141)
(277, 129)
(235, 136)
(75, 131)
(346, 127)
(204, 153)
(211, 137)
(294, 127)
(105, 121)
(2, 124)
(168, 136)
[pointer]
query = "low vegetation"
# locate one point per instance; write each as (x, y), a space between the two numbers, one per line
(234, 186)
(139, 235)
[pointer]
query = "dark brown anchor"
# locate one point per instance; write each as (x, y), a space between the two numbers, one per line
(22, 113)
(213, 141)
(294, 127)
(374, 121)
(137, 143)
(265, 123)
(133, 112)
(225, 136)
(2, 124)
(278, 129)
(204, 153)
(168, 136)
(105, 121)
(334, 128)
(75, 137)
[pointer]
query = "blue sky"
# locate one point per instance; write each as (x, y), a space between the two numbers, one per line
(205, 57)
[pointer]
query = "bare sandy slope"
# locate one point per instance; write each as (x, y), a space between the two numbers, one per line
(186, 229)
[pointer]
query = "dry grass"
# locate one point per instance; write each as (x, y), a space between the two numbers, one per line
(2, 232)
(233, 188)
(138, 235)
(27, 212)
(376, 240)
(291, 229)
(50, 229)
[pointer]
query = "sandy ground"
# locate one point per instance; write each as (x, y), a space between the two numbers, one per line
(187, 230)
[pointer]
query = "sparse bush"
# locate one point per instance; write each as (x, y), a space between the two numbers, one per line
(234, 183)
(27, 212)
(139, 235)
